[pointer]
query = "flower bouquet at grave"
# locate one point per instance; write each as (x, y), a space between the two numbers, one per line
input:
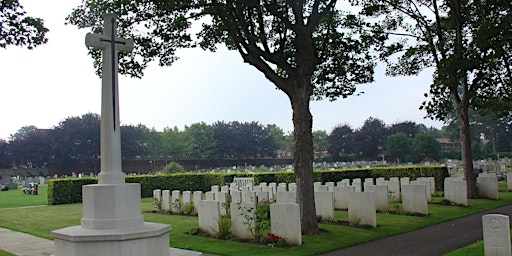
(274, 240)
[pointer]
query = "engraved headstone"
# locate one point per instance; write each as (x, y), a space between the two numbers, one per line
(285, 222)
(496, 229)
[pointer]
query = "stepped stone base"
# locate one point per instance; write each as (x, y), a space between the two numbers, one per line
(149, 239)
(112, 225)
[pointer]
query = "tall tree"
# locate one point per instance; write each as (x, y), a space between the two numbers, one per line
(5, 156)
(340, 141)
(425, 148)
(30, 149)
(370, 139)
(304, 48)
(319, 141)
(467, 42)
(201, 138)
(76, 139)
(16, 28)
(132, 140)
(398, 145)
(408, 128)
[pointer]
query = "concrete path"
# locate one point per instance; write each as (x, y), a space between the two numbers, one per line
(22, 244)
(429, 241)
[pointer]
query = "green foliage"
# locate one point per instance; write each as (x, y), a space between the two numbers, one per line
(173, 167)
(224, 231)
(425, 147)
(67, 191)
(398, 145)
(18, 29)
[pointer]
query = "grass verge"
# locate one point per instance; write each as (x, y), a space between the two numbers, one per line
(40, 221)
(4, 253)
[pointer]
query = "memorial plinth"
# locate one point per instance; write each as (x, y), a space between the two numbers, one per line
(112, 223)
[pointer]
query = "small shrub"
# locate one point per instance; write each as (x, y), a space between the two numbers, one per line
(173, 167)
(224, 228)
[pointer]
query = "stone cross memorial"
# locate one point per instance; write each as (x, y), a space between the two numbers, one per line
(110, 44)
(112, 223)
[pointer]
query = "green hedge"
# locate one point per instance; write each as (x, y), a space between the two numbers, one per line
(67, 191)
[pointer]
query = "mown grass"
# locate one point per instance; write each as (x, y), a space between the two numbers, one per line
(40, 221)
(16, 198)
(4, 253)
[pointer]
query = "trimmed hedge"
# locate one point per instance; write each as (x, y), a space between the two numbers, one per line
(68, 191)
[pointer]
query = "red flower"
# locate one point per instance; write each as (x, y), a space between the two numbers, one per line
(273, 236)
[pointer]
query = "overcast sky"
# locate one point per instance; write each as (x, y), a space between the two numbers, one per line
(44, 86)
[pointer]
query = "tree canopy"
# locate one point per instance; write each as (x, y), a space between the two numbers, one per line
(468, 44)
(16, 28)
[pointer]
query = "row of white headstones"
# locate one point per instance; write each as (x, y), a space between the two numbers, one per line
(362, 199)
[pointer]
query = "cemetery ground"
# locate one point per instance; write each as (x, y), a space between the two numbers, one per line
(40, 220)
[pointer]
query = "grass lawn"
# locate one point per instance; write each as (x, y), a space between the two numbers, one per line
(4, 253)
(40, 221)
(16, 198)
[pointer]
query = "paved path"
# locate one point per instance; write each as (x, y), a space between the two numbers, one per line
(22, 244)
(430, 241)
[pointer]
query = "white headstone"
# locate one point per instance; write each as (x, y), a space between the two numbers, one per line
(324, 205)
(381, 197)
(292, 187)
(414, 199)
(157, 200)
(357, 185)
(210, 196)
(165, 200)
(341, 196)
(456, 190)
(249, 197)
(262, 196)
(330, 186)
(285, 222)
(487, 185)
(509, 181)
(286, 197)
(175, 201)
(432, 181)
(404, 181)
(198, 195)
(221, 197)
(243, 220)
(496, 229)
(361, 208)
(316, 186)
(215, 188)
(208, 216)
(187, 197)
(427, 183)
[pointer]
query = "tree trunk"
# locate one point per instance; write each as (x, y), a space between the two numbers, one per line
(462, 103)
(467, 155)
(303, 155)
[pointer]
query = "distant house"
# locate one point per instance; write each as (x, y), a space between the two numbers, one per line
(284, 154)
(448, 145)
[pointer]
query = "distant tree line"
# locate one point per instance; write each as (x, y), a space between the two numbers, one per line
(77, 140)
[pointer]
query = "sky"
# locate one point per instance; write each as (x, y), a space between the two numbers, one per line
(52, 82)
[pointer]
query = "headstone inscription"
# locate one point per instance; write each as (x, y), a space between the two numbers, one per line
(496, 231)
